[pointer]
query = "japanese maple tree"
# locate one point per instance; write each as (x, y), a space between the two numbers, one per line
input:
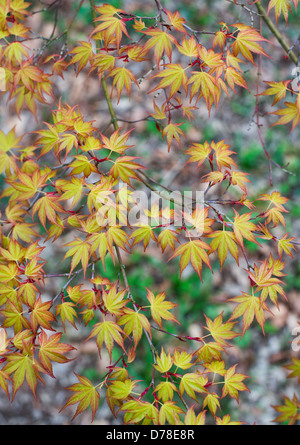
(75, 184)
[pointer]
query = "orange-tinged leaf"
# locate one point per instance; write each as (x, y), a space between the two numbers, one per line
(116, 142)
(246, 42)
(134, 322)
(281, 7)
(160, 307)
(194, 252)
(278, 89)
(161, 41)
(249, 306)
(167, 237)
(172, 131)
(192, 383)
(189, 48)
(107, 332)
(173, 75)
(182, 359)
(86, 394)
(164, 362)
(41, 315)
(289, 411)
(47, 208)
(122, 77)
(233, 383)
(114, 301)
(113, 26)
(82, 55)
(23, 366)
(169, 411)
(121, 390)
(243, 228)
(124, 168)
(288, 114)
(67, 312)
(198, 153)
(52, 350)
(80, 252)
(222, 242)
(143, 233)
(176, 21)
(191, 419)
(221, 332)
(285, 245)
(165, 391)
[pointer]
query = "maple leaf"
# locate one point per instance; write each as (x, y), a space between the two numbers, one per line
(288, 114)
(176, 21)
(191, 419)
(172, 131)
(86, 394)
(189, 48)
(29, 184)
(7, 144)
(82, 165)
(82, 54)
(203, 84)
(239, 179)
(134, 322)
(112, 25)
(166, 238)
(246, 43)
(222, 154)
(161, 41)
(191, 383)
(164, 362)
(295, 368)
(71, 189)
(243, 228)
(121, 390)
(182, 359)
(198, 153)
(226, 420)
(234, 77)
(124, 168)
(233, 383)
(165, 391)
(249, 306)
(160, 307)
(221, 332)
(80, 251)
(144, 234)
(107, 332)
(47, 207)
(23, 366)
(208, 352)
(67, 312)
(169, 411)
(4, 342)
(194, 252)
(278, 89)
(212, 402)
(123, 77)
(224, 241)
(173, 75)
(41, 316)
(13, 313)
(289, 411)
(116, 142)
(52, 350)
(114, 301)
(281, 7)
